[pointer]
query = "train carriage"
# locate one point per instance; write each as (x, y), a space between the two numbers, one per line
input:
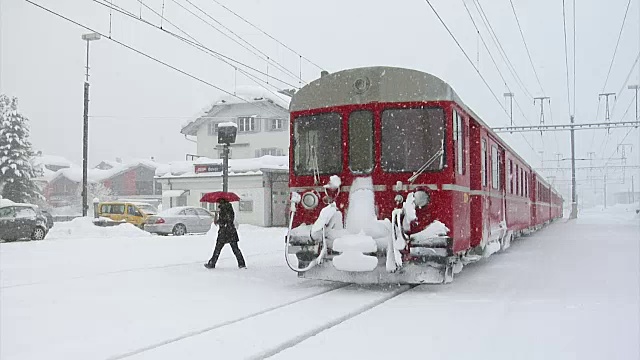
(395, 180)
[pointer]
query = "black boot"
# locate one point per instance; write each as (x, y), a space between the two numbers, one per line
(210, 265)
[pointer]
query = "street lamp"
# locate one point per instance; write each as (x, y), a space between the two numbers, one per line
(85, 132)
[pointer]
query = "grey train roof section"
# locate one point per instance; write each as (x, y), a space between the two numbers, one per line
(374, 84)
(380, 84)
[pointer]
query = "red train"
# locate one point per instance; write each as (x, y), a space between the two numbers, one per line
(395, 180)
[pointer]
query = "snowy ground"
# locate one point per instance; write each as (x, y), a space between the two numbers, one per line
(571, 291)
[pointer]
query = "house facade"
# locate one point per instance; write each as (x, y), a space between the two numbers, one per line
(133, 180)
(262, 121)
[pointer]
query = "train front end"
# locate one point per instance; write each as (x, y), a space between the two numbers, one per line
(368, 166)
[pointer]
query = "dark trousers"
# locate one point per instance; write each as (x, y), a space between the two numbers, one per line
(236, 252)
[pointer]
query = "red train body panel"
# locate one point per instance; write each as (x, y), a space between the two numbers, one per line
(394, 179)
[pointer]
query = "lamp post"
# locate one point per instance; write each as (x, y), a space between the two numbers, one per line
(226, 136)
(85, 130)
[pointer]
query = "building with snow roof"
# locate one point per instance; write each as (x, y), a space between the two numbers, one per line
(262, 119)
(262, 184)
(133, 180)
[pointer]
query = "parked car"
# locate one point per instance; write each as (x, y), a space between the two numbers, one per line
(22, 221)
(180, 221)
(49, 218)
(135, 213)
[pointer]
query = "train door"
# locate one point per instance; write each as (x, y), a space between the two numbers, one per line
(496, 192)
(479, 183)
(461, 189)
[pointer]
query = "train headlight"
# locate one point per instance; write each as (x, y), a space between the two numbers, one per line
(310, 200)
(421, 198)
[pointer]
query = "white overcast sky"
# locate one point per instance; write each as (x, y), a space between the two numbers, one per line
(138, 106)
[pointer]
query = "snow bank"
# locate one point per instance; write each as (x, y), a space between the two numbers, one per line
(83, 227)
(612, 215)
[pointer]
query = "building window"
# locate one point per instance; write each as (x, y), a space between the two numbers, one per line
(276, 124)
(212, 207)
(248, 124)
(269, 151)
(246, 206)
(212, 129)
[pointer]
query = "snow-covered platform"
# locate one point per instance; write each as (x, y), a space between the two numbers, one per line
(571, 290)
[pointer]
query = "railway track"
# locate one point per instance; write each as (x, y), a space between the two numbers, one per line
(271, 330)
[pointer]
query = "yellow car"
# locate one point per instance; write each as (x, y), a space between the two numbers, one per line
(135, 213)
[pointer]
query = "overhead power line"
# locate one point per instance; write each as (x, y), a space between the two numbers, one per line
(525, 46)
(268, 35)
(129, 47)
(566, 55)
(199, 46)
(615, 50)
(503, 53)
(474, 67)
(259, 53)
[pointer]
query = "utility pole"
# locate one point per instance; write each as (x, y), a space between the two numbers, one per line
(542, 99)
(636, 87)
(510, 96)
(605, 189)
(541, 158)
(574, 202)
(591, 155)
(607, 114)
(85, 132)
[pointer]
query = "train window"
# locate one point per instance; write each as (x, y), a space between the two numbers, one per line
(522, 181)
(483, 163)
(458, 139)
(518, 179)
(510, 179)
(411, 138)
(495, 170)
(361, 142)
(318, 144)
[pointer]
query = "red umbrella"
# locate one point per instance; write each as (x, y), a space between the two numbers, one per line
(216, 196)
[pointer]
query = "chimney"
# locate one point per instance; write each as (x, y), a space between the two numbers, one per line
(324, 73)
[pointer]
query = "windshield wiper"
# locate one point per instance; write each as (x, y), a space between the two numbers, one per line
(431, 160)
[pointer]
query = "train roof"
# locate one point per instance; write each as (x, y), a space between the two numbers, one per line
(381, 84)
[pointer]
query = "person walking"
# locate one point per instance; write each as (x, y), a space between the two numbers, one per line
(227, 234)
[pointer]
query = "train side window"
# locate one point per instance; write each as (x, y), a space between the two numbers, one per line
(522, 181)
(495, 178)
(458, 140)
(483, 163)
(510, 179)
(517, 183)
(361, 142)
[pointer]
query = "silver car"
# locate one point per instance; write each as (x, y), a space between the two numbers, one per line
(180, 221)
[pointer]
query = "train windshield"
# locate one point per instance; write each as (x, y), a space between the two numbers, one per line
(410, 138)
(318, 144)
(361, 142)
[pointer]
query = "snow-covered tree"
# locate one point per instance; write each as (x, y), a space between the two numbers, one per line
(16, 171)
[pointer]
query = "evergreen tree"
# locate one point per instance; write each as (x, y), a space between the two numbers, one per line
(16, 171)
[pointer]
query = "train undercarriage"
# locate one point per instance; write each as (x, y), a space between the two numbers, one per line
(364, 249)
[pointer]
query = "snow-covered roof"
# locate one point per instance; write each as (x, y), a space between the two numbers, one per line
(51, 160)
(97, 175)
(244, 94)
(236, 166)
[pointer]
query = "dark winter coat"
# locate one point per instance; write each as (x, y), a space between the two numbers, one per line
(227, 231)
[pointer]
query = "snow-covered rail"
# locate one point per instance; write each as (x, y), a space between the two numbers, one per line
(273, 330)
